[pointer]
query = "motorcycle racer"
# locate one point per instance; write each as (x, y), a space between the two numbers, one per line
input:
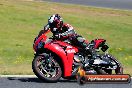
(66, 52)
(63, 31)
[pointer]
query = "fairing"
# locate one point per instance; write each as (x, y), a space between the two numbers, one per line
(65, 52)
(98, 42)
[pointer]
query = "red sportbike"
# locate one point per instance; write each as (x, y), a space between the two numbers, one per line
(54, 59)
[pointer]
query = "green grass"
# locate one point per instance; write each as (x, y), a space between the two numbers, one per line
(21, 20)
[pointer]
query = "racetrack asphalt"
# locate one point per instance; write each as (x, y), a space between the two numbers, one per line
(34, 82)
(116, 4)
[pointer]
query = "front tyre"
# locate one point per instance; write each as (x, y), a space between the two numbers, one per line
(46, 68)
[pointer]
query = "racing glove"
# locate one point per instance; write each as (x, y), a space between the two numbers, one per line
(58, 36)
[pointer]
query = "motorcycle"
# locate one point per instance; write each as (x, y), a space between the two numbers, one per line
(54, 59)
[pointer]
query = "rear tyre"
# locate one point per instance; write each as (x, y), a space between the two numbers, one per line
(46, 68)
(118, 70)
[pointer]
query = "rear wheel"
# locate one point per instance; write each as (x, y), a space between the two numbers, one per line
(118, 69)
(46, 68)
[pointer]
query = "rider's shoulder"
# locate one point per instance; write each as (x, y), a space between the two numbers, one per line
(67, 25)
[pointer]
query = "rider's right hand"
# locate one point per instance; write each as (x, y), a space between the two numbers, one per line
(57, 36)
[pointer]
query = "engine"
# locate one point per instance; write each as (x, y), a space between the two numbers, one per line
(80, 60)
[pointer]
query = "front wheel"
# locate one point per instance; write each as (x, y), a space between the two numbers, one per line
(46, 68)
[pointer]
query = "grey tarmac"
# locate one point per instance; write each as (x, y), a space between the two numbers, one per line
(116, 4)
(34, 82)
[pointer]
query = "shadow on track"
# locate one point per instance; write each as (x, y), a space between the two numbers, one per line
(37, 80)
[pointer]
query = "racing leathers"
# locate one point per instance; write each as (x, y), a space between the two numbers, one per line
(66, 32)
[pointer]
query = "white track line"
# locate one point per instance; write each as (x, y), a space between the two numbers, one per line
(23, 76)
(19, 76)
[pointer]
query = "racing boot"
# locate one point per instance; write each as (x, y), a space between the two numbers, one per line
(89, 50)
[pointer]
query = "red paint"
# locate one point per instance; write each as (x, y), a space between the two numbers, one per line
(66, 54)
(42, 37)
(98, 42)
(67, 57)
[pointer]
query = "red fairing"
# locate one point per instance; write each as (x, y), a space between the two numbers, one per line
(66, 56)
(42, 37)
(98, 42)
